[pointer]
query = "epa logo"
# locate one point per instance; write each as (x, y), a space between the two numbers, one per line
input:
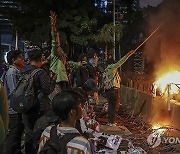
(155, 140)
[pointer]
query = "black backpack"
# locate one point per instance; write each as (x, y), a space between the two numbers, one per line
(41, 124)
(57, 144)
(22, 98)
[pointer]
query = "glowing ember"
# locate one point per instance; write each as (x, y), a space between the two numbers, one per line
(158, 129)
(170, 79)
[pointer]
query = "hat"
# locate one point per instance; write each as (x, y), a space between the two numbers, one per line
(81, 92)
(90, 83)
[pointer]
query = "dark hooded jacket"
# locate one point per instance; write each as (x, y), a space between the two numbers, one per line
(43, 86)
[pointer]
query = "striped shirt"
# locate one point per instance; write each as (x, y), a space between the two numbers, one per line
(78, 145)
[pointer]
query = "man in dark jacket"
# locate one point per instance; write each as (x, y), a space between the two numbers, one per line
(85, 71)
(43, 85)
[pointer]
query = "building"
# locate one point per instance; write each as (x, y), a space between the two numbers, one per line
(5, 24)
(6, 39)
(102, 5)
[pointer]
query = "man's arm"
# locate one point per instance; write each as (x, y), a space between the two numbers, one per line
(47, 85)
(74, 65)
(53, 33)
(11, 82)
(56, 49)
(122, 60)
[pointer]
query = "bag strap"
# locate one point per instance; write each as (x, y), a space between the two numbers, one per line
(68, 137)
(35, 71)
(59, 143)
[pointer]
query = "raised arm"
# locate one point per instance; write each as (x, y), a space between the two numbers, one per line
(53, 33)
(56, 49)
(122, 60)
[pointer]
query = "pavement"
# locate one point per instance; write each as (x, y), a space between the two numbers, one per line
(119, 129)
(115, 130)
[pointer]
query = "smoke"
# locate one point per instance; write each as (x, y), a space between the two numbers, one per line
(163, 49)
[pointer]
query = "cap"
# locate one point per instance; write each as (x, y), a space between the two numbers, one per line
(90, 83)
(81, 92)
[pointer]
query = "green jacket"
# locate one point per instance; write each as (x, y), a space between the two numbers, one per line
(56, 65)
(4, 119)
(112, 71)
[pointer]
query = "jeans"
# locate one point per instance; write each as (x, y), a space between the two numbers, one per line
(13, 145)
(113, 98)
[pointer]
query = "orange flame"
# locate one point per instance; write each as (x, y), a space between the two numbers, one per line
(158, 128)
(170, 78)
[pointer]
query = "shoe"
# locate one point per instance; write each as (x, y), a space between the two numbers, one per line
(111, 124)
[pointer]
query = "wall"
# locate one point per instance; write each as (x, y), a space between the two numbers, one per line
(152, 109)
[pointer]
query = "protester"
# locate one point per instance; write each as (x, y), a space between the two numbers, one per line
(11, 78)
(67, 106)
(94, 62)
(90, 87)
(85, 71)
(50, 118)
(58, 58)
(59, 64)
(112, 84)
(43, 86)
(46, 63)
(87, 91)
(41, 124)
(4, 120)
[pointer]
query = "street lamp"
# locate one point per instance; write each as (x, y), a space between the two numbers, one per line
(114, 34)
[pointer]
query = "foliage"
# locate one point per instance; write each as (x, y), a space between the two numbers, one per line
(106, 33)
(77, 19)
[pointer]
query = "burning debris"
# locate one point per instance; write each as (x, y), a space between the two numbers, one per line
(164, 51)
(144, 137)
(169, 82)
(167, 86)
(164, 48)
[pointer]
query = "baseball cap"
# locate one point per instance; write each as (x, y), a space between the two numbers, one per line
(90, 83)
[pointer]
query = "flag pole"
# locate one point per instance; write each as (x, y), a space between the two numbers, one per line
(148, 37)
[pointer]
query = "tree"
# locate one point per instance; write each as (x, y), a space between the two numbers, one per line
(76, 19)
(105, 35)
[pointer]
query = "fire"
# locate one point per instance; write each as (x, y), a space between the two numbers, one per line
(169, 79)
(158, 128)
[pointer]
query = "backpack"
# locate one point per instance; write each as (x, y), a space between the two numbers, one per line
(41, 124)
(57, 144)
(22, 98)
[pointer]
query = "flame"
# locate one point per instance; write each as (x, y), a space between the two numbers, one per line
(170, 78)
(157, 128)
